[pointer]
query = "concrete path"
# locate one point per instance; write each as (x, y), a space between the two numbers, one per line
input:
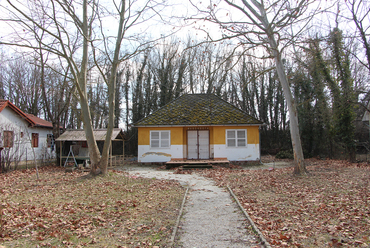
(211, 218)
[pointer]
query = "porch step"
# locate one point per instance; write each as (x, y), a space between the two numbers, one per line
(197, 166)
(190, 164)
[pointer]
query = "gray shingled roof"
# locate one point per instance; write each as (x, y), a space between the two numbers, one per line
(198, 109)
(79, 135)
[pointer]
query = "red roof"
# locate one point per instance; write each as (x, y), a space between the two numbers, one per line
(31, 119)
(39, 122)
(3, 104)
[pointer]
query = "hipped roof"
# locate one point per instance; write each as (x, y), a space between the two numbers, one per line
(197, 110)
(79, 135)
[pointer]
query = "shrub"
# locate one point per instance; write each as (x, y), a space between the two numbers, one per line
(285, 154)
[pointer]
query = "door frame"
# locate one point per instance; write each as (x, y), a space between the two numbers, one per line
(198, 153)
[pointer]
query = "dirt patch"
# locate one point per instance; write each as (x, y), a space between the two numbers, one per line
(68, 209)
(327, 208)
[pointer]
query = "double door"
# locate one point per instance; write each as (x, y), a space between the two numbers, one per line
(198, 144)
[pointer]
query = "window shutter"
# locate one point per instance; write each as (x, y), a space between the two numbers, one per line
(154, 139)
(165, 139)
(241, 137)
(160, 139)
(8, 138)
(35, 140)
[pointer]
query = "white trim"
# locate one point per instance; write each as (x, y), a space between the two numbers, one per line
(236, 138)
(160, 139)
(206, 125)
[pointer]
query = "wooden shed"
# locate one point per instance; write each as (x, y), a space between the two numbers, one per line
(73, 142)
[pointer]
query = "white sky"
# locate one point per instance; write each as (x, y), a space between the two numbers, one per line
(172, 20)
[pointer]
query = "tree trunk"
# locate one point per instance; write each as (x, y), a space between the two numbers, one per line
(90, 138)
(112, 93)
(299, 166)
(85, 109)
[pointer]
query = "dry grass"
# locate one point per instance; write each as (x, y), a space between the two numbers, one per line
(328, 208)
(72, 210)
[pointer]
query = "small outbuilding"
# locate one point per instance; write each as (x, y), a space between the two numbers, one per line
(24, 136)
(198, 127)
(74, 145)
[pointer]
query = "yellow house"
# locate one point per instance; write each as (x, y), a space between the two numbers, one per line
(198, 126)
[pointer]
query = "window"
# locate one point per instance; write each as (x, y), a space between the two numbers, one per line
(8, 139)
(35, 140)
(84, 144)
(49, 140)
(160, 139)
(236, 138)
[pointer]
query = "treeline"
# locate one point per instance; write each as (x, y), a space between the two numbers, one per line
(328, 80)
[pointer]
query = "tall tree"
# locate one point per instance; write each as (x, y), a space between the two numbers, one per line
(22, 82)
(359, 10)
(137, 92)
(316, 128)
(266, 24)
(69, 31)
(344, 113)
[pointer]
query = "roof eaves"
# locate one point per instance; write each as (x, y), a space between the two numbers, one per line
(38, 122)
(3, 104)
(206, 125)
(17, 111)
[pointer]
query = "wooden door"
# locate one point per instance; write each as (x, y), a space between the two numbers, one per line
(203, 144)
(198, 144)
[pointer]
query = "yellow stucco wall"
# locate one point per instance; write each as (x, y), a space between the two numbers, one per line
(217, 134)
(177, 137)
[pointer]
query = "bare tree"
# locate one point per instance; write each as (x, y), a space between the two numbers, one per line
(22, 84)
(268, 24)
(76, 32)
(359, 12)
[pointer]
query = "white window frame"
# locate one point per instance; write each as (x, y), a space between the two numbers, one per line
(160, 139)
(236, 138)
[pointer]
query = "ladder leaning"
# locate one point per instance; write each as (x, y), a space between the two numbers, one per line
(70, 158)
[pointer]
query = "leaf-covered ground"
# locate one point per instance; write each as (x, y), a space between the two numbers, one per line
(72, 210)
(328, 208)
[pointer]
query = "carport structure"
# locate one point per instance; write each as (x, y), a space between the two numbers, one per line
(75, 141)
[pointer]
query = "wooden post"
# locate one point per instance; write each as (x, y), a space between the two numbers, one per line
(110, 151)
(1, 148)
(60, 153)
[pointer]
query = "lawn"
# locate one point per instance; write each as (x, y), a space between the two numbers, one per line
(73, 210)
(330, 207)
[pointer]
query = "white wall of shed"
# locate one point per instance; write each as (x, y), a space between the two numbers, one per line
(10, 121)
(146, 154)
(251, 152)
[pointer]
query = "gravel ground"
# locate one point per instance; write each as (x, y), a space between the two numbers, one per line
(211, 218)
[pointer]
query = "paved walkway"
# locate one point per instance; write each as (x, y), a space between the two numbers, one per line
(211, 218)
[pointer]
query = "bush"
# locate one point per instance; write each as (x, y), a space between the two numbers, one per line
(285, 154)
